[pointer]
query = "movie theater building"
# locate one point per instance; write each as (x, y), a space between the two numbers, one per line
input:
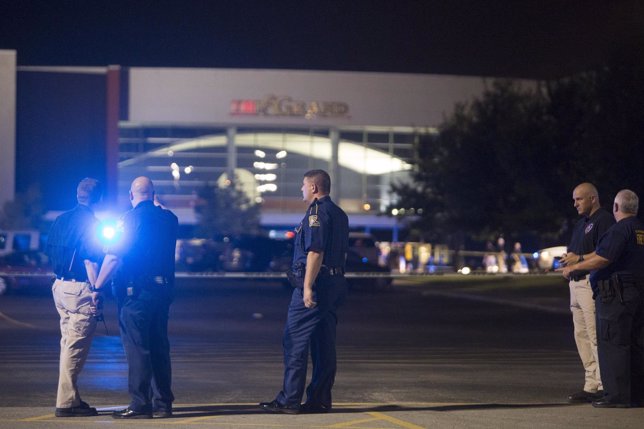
(185, 128)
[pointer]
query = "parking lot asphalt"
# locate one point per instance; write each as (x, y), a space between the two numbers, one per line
(543, 297)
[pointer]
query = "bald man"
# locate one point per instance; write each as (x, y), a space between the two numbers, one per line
(594, 222)
(142, 263)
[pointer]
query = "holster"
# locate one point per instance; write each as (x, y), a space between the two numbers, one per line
(613, 287)
(295, 275)
(606, 290)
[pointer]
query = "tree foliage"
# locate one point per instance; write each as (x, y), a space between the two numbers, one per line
(507, 162)
(226, 211)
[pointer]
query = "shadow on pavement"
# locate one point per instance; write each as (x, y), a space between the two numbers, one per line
(214, 410)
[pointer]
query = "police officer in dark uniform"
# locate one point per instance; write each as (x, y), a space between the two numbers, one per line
(319, 289)
(75, 255)
(143, 259)
(617, 279)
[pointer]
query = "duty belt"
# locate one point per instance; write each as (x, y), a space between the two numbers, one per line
(578, 276)
(332, 271)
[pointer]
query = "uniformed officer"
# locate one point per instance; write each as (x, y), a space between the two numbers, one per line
(143, 260)
(617, 279)
(320, 287)
(594, 222)
(74, 256)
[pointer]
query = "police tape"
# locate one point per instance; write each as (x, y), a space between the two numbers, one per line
(244, 275)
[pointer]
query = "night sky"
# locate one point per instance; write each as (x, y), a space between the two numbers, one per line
(534, 39)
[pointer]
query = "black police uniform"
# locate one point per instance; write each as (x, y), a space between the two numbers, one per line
(144, 289)
(619, 291)
(325, 228)
(586, 234)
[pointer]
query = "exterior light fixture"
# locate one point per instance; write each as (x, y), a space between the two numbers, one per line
(265, 165)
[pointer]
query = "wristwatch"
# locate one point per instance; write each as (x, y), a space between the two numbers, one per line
(93, 288)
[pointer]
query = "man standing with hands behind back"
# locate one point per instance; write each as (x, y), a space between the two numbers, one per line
(319, 257)
(594, 222)
(75, 257)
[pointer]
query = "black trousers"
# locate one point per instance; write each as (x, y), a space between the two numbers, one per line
(312, 329)
(143, 320)
(620, 344)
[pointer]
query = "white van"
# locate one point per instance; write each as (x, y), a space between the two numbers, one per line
(17, 240)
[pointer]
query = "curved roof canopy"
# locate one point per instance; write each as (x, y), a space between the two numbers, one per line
(350, 155)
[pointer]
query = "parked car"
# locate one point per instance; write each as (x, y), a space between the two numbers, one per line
(377, 279)
(248, 253)
(25, 271)
(364, 244)
(197, 255)
(548, 259)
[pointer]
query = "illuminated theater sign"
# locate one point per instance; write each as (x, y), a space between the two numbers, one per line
(286, 106)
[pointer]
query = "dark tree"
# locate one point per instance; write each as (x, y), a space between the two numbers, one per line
(508, 161)
(226, 211)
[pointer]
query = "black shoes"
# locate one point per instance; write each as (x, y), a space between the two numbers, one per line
(603, 403)
(131, 414)
(585, 397)
(162, 414)
(83, 410)
(276, 407)
(308, 408)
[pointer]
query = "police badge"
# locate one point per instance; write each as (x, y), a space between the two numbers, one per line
(313, 221)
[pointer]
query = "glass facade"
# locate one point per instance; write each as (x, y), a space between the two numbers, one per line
(268, 162)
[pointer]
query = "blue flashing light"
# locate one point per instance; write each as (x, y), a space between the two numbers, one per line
(108, 232)
(364, 259)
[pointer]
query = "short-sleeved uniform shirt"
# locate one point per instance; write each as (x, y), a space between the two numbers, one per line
(73, 239)
(623, 246)
(588, 230)
(147, 243)
(324, 228)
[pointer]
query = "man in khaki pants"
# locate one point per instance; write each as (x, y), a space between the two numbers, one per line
(74, 258)
(592, 225)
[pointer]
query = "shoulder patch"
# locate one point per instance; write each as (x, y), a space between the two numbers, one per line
(313, 221)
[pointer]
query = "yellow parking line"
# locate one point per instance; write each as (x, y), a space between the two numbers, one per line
(354, 422)
(395, 421)
(37, 418)
(15, 322)
(192, 420)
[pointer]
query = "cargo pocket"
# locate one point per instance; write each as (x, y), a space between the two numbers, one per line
(612, 333)
(73, 297)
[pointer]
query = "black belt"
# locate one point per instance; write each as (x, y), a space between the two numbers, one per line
(331, 271)
(577, 277)
(70, 279)
(150, 280)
